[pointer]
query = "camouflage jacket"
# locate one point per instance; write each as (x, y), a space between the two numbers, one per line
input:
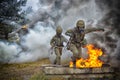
(77, 36)
(57, 41)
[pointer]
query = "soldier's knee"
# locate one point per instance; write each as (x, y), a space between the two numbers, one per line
(74, 49)
(75, 52)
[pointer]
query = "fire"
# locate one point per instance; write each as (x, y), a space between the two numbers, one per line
(92, 61)
(24, 26)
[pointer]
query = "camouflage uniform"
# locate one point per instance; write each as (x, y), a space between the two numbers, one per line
(77, 39)
(7, 32)
(57, 43)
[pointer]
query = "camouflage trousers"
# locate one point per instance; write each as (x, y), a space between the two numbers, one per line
(76, 49)
(58, 52)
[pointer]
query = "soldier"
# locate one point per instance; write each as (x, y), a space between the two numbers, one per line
(77, 40)
(57, 43)
(16, 35)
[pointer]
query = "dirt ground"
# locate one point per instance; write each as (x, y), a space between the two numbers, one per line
(24, 71)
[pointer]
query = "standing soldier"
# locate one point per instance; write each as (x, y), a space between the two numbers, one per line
(57, 43)
(77, 39)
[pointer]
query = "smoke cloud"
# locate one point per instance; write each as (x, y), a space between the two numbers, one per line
(47, 14)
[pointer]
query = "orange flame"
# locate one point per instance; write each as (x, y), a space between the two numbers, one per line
(24, 26)
(92, 61)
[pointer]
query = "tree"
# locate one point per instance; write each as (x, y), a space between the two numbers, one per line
(10, 11)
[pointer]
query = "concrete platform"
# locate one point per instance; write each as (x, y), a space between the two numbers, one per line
(64, 71)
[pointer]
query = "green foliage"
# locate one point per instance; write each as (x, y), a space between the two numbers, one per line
(10, 9)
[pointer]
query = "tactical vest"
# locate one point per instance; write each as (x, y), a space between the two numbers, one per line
(58, 41)
(77, 36)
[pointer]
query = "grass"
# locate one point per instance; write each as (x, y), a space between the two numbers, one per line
(42, 76)
(25, 71)
(39, 76)
(21, 71)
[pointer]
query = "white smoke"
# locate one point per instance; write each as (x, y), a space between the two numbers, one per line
(8, 51)
(37, 43)
(45, 17)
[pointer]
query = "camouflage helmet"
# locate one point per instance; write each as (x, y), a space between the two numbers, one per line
(59, 30)
(80, 24)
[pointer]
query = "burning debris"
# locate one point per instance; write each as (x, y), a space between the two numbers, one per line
(92, 61)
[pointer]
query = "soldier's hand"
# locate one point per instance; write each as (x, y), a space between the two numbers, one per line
(51, 50)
